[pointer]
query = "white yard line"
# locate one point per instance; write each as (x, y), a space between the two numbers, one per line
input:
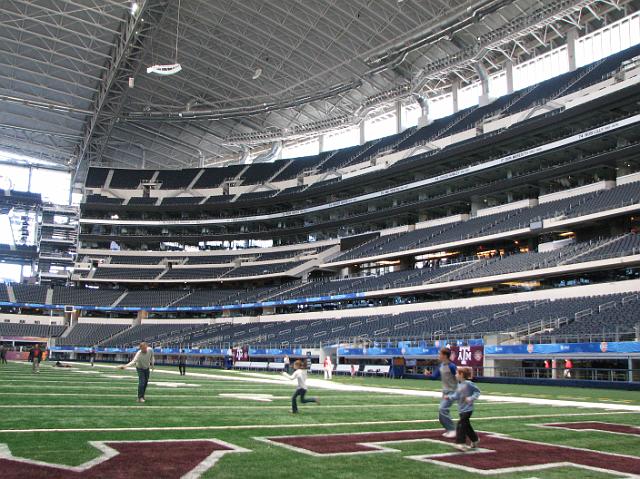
(297, 425)
(321, 384)
(225, 406)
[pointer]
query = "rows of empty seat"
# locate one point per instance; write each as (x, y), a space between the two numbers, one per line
(497, 223)
(126, 273)
(614, 319)
(84, 334)
(584, 315)
(30, 330)
(152, 298)
(151, 333)
(4, 293)
(85, 296)
(625, 245)
(30, 293)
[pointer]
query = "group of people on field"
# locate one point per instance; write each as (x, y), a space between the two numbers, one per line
(456, 387)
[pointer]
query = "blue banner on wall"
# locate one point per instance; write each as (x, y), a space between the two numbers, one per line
(564, 348)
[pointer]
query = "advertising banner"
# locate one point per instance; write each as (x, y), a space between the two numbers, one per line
(568, 348)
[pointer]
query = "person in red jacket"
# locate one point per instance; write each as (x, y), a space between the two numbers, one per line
(35, 356)
(568, 366)
(328, 368)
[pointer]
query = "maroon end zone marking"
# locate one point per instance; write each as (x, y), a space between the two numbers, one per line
(513, 454)
(497, 454)
(353, 443)
(597, 426)
(123, 460)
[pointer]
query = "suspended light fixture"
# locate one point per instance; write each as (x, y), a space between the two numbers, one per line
(169, 69)
(165, 69)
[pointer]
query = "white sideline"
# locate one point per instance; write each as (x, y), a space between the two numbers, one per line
(225, 406)
(333, 386)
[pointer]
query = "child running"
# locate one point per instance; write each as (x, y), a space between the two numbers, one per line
(466, 394)
(299, 373)
(446, 371)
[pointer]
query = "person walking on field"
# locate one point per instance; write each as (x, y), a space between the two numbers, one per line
(328, 368)
(466, 394)
(182, 363)
(300, 374)
(35, 356)
(3, 354)
(287, 364)
(446, 371)
(143, 362)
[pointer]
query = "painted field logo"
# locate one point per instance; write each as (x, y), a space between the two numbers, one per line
(123, 460)
(496, 455)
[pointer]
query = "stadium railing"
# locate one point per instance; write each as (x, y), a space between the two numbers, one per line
(578, 374)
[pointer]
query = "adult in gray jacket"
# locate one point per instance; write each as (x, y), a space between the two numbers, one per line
(446, 372)
(143, 362)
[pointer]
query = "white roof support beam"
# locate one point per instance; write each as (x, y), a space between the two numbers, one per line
(124, 63)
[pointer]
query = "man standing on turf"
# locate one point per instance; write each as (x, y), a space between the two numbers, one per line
(3, 354)
(144, 362)
(35, 356)
(182, 363)
(446, 371)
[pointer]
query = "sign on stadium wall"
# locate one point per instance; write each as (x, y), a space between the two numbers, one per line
(462, 354)
(470, 356)
(561, 348)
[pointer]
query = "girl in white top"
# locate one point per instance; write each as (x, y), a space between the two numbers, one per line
(300, 374)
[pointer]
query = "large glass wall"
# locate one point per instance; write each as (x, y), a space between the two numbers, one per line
(53, 185)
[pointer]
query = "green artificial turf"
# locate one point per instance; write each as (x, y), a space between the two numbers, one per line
(68, 399)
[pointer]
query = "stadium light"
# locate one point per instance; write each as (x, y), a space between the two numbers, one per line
(165, 70)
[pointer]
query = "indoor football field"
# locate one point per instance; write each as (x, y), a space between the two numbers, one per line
(83, 422)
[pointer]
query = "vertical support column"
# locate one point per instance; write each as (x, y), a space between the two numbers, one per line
(362, 132)
(398, 116)
(140, 317)
(321, 143)
(475, 205)
(484, 83)
(572, 36)
(508, 68)
(630, 369)
(424, 111)
(455, 86)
